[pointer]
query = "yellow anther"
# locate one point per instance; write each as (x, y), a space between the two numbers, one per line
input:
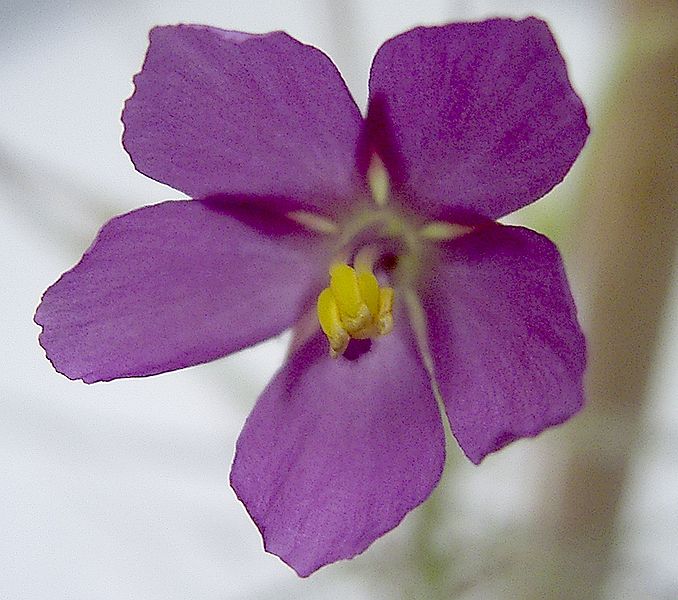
(344, 285)
(369, 291)
(354, 306)
(330, 323)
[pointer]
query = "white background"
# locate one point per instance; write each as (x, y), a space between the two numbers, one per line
(120, 490)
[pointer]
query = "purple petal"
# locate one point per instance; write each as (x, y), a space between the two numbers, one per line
(474, 120)
(177, 284)
(336, 452)
(221, 112)
(507, 349)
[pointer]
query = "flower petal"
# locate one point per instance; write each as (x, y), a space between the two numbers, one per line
(474, 120)
(508, 352)
(177, 284)
(222, 112)
(337, 451)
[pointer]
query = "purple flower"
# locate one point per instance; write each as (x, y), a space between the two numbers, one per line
(429, 297)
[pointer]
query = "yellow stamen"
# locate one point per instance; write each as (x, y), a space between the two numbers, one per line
(354, 306)
(330, 323)
(369, 291)
(344, 285)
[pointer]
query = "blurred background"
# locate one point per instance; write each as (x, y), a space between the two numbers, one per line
(120, 490)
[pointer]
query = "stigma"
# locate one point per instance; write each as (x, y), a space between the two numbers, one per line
(354, 306)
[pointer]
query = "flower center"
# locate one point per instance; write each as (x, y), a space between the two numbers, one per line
(354, 306)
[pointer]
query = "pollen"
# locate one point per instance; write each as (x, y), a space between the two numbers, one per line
(354, 306)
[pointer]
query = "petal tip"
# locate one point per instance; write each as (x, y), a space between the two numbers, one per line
(58, 365)
(505, 438)
(302, 570)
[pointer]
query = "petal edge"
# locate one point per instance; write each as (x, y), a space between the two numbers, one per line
(508, 351)
(174, 285)
(337, 452)
(482, 116)
(223, 112)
